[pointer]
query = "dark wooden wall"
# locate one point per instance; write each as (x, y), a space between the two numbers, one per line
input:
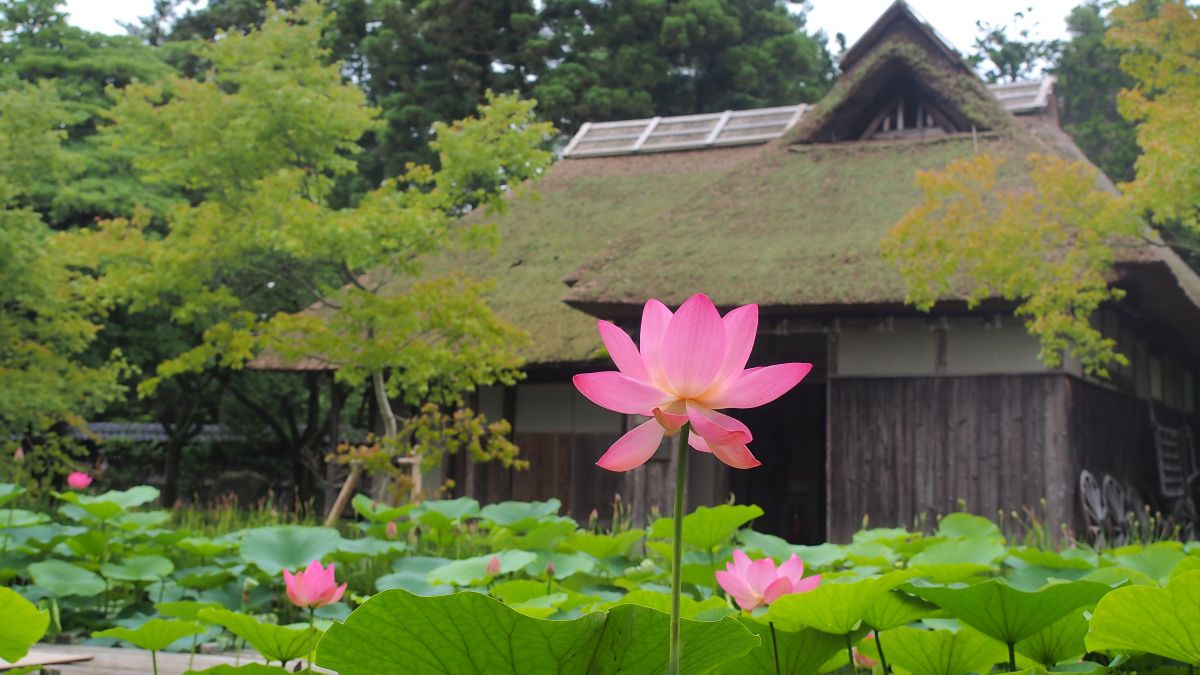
(902, 447)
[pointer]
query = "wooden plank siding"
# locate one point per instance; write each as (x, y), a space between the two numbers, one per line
(904, 447)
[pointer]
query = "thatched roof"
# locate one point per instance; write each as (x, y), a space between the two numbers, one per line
(794, 224)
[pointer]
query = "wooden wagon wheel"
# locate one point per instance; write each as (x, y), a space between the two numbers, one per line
(1137, 506)
(1095, 511)
(1114, 496)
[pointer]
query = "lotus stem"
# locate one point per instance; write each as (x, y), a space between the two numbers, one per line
(850, 654)
(154, 661)
(677, 550)
(774, 647)
(312, 618)
(1012, 657)
(882, 659)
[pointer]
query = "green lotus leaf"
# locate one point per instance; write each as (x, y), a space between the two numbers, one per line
(968, 526)
(1160, 621)
(1118, 576)
(604, 545)
(525, 590)
(543, 534)
(275, 643)
(444, 513)
(1155, 561)
(565, 564)
(897, 608)
(110, 504)
(9, 492)
(139, 568)
(142, 520)
(470, 633)
(833, 607)
(21, 518)
(412, 574)
(520, 516)
(63, 579)
(353, 549)
(188, 610)
(155, 634)
(708, 527)
(21, 625)
(977, 551)
(1188, 564)
(938, 652)
(688, 608)
(1007, 614)
(801, 652)
(821, 555)
(205, 547)
(1073, 559)
(203, 578)
(1059, 642)
(274, 549)
(469, 571)
(377, 512)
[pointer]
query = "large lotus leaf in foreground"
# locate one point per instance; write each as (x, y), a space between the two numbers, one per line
(833, 607)
(470, 633)
(21, 625)
(1162, 621)
(275, 643)
(938, 652)
(801, 652)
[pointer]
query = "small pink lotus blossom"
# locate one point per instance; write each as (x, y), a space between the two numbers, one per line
(756, 583)
(314, 587)
(550, 571)
(78, 480)
(690, 364)
(493, 566)
(390, 529)
(861, 660)
(19, 455)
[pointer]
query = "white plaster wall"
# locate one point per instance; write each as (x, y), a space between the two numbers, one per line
(907, 350)
(546, 408)
(973, 348)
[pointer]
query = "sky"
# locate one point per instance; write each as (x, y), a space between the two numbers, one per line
(954, 19)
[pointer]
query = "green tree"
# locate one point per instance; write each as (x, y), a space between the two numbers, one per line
(635, 58)
(45, 324)
(1089, 79)
(37, 44)
(1006, 53)
(257, 146)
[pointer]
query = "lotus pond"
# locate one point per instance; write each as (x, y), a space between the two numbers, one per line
(455, 587)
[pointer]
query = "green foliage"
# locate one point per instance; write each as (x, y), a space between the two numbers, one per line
(155, 634)
(274, 549)
(275, 643)
(708, 527)
(621, 60)
(21, 625)
(1010, 615)
(800, 652)
(1156, 620)
(836, 607)
(47, 324)
(396, 630)
(939, 652)
(62, 579)
(1005, 57)
(962, 239)
(1089, 80)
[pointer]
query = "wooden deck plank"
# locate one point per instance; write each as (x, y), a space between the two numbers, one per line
(116, 661)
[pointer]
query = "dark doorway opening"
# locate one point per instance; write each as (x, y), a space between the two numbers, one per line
(789, 440)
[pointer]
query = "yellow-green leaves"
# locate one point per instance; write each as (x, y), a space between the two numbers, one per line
(1160, 621)
(1046, 244)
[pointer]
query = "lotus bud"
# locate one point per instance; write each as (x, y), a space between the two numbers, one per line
(493, 566)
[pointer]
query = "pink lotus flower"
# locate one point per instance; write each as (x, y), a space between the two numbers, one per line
(493, 566)
(756, 583)
(390, 529)
(314, 587)
(691, 363)
(19, 455)
(861, 660)
(78, 480)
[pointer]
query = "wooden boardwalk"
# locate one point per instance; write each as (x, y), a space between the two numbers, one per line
(114, 661)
